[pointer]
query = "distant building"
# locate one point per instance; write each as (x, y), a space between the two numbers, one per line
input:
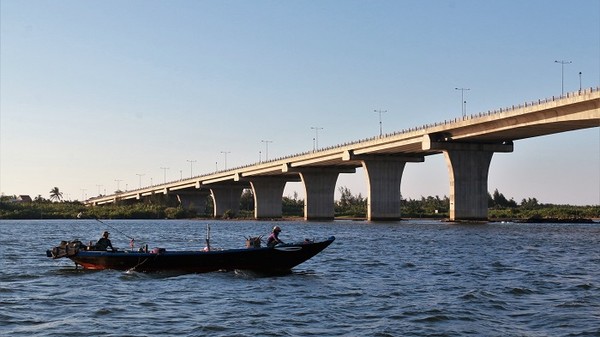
(24, 199)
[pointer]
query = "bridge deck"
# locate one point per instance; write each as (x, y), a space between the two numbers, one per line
(575, 111)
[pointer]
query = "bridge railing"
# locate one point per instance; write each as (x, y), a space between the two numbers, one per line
(436, 124)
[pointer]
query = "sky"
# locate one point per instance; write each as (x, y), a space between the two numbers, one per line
(101, 95)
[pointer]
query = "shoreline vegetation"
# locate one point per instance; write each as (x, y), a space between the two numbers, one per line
(349, 206)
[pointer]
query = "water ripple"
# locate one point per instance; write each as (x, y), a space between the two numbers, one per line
(429, 279)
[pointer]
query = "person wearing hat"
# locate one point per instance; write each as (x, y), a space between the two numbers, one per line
(273, 239)
(104, 242)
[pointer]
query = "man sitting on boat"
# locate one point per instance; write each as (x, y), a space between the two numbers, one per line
(273, 239)
(104, 242)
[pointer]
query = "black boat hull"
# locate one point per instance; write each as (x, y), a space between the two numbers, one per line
(266, 259)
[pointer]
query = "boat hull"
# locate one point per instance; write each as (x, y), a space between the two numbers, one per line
(266, 259)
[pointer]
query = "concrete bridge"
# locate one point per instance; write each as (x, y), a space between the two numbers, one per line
(467, 143)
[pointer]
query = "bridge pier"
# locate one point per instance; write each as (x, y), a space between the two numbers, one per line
(226, 198)
(268, 192)
(384, 176)
(468, 168)
(468, 172)
(319, 185)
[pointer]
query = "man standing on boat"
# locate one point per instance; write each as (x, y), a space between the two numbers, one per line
(104, 242)
(273, 239)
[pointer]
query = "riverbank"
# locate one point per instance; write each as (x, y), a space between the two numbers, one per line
(75, 210)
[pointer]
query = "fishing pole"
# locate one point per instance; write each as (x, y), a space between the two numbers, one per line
(115, 229)
(207, 237)
(132, 240)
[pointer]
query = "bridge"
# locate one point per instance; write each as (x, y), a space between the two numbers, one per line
(468, 144)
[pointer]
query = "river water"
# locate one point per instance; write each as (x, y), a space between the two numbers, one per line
(408, 278)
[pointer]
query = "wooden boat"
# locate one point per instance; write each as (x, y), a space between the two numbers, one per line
(278, 259)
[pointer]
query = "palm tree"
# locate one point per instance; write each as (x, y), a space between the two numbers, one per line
(55, 194)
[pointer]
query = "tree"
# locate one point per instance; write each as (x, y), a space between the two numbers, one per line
(349, 204)
(529, 203)
(346, 198)
(56, 194)
(498, 200)
(292, 206)
(247, 200)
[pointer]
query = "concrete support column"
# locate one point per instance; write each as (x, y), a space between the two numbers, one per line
(383, 182)
(226, 198)
(468, 172)
(268, 193)
(320, 188)
(193, 200)
(384, 175)
(468, 167)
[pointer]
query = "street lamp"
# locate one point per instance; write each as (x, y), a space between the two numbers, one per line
(118, 181)
(380, 124)
(140, 175)
(225, 153)
(562, 74)
(191, 167)
(316, 128)
(463, 103)
(164, 173)
(267, 148)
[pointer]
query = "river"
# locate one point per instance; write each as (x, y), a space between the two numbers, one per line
(408, 278)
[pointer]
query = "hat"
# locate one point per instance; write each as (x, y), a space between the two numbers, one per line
(276, 229)
(105, 233)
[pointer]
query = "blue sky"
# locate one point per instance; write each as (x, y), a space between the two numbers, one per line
(97, 91)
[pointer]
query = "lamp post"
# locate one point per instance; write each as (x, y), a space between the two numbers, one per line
(164, 173)
(191, 167)
(580, 81)
(380, 123)
(225, 153)
(118, 181)
(266, 148)
(316, 145)
(140, 175)
(463, 103)
(562, 74)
